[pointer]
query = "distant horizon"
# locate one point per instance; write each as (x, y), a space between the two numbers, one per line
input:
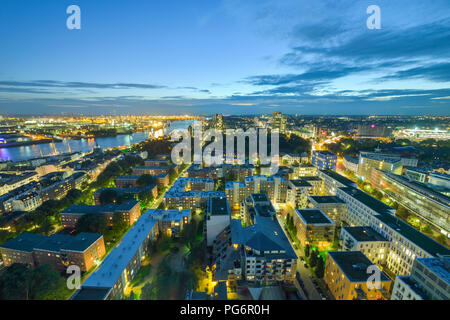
(211, 114)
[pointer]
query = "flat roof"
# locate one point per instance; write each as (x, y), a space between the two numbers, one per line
(364, 233)
(339, 178)
(324, 153)
(439, 266)
(313, 216)
(300, 183)
(111, 207)
(368, 200)
(354, 265)
(218, 206)
(29, 241)
(258, 197)
(311, 179)
(24, 242)
(415, 236)
(112, 267)
(88, 293)
(326, 199)
(265, 210)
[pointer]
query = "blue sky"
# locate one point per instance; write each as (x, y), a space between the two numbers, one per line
(230, 56)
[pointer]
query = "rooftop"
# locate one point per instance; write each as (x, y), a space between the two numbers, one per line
(265, 235)
(369, 201)
(415, 236)
(364, 234)
(354, 265)
(27, 242)
(313, 216)
(112, 267)
(439, 266)
(339, 178)
(323, 153)
(111, 207)
(260, 197)
(381, 158)
(299, 183)
(326, 199)
(218, 206)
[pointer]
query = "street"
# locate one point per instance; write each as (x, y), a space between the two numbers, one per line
(305, 274)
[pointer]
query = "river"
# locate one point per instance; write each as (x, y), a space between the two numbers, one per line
(83, 145)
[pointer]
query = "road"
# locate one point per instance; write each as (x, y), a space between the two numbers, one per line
(305, 274)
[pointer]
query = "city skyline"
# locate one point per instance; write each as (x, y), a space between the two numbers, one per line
(233, 57)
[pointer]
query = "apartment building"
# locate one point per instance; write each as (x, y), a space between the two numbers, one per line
(274, 186)
(347, 277)
(189, 193)
(84, 250)
(238, 171)
(122, 264)
(130, 193)
(332, 181)
(314, 228)
(157, 162)
(197, 171)
(298, 192)
(351, 163)
(369, 161)
(332, 206)
(265, 254)
(302, 170)
(367, 240)
(130, 211)
(316, 183)
(429, 280)
(406, 243)
(289, 159)
(217, 218)
(154, 170)
(324, 160)
(127, 181)
(172, 221)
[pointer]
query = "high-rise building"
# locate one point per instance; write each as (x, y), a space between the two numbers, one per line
(324, 160)
(279, 121)
(217, 122)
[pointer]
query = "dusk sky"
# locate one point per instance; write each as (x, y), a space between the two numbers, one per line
(230, 56)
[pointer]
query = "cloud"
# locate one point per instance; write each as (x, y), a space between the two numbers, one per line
(86, 85)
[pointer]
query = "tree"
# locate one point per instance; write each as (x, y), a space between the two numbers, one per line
(307, 250)
(442, 239)
(320, 269)
(172, 174)
(149, 291)
(145, 180)
(95, 223)
(145, 197)
(313, 259)
(18, 282)
(402, 213)
(118, 223)
(427, 229)
(108, 196)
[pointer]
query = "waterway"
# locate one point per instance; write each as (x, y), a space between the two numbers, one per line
(83, 145)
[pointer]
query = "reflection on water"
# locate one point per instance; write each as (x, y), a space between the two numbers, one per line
(83, 145)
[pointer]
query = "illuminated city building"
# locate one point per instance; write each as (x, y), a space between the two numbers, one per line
(346, 276)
